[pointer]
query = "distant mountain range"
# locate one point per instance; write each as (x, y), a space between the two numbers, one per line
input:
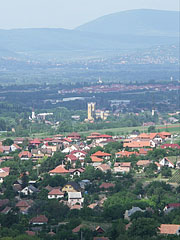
(125, 30)
(143, 22)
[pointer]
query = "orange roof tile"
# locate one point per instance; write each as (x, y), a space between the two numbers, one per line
(55, 191)
(96, 159)
(59, 169)
(136, 144)
(143, 162)
(101, 154)
(126, 153)
(169, 228)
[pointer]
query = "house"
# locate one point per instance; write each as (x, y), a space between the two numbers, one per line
(129, 213)
(55, 194)
(25, 155)
(96, 161)
(140, 144)
(167, 135)
(76, 207)
(169, 207)
(166, 162)
(74, 198)
(158, 166)
(103, 155)
(170, 145)
(69, 149)
(104, 167)
(144, 151)
(35, 142)
(107, 186)
(24, 206)
(39, 220)
(125, 154)
(167, 229)
(29, 190)
(71, 187)
(93, 206)
(4, 172)
(76, 172)
(71, 158)
(97, 137)
(53, 149)
(5, 149)
(59, 170)
(123, 167)
(143, 163)
(74, 136)
(19, 140)
(78, 228)
(6, 210)
(79, 153)
(14, 147)
(99, 230)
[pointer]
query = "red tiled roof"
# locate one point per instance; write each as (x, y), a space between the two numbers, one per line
(157, 164)
(79, 151)
(107, 185)
(96, 159)
(22, 203)
(16, 146)
(48, 139)
(39, 219)
(78, 228)
(66, 140)
(125, 164)
(76, 206)
(25, 153)
(59, 169)
(137, 144)
(55, 191)
(166, 133)
(168, 160)
(35, 141)
(174, 205)
(72, 157)
(101, 154)
(143, 162)
(104, 167)
(168, 145)
(169, 228)
(74, 134)
(126, 153)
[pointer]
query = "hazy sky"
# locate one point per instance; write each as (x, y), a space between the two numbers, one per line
(68, 13)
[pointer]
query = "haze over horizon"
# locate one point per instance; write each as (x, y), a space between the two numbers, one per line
(69, 14)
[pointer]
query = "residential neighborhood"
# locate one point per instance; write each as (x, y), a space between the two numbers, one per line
(48, 180)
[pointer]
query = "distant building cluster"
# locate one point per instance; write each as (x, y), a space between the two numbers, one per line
(93, 114)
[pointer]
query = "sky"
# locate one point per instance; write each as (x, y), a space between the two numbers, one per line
(68, 13)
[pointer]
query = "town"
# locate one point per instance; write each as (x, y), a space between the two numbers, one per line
(96, 186)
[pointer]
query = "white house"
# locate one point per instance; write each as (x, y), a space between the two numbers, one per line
(29, 190)
(166, 162)
(74, 198)
(55, 193)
